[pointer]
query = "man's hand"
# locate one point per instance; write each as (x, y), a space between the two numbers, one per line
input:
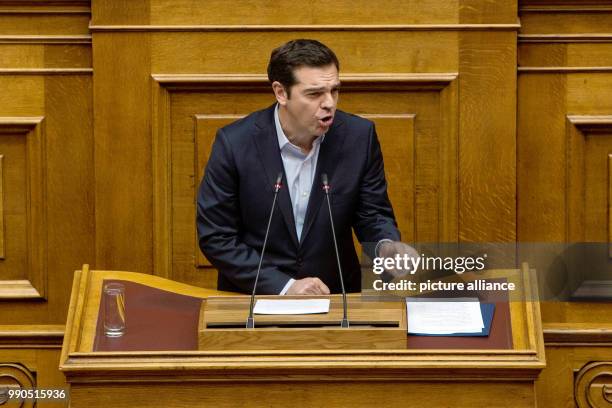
(389, 249)
(308, 286)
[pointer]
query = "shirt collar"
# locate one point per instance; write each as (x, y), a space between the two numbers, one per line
(282, 138)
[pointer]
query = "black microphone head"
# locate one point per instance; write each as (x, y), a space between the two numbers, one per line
(324, 179)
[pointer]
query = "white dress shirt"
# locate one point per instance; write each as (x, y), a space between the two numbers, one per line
(300, 171)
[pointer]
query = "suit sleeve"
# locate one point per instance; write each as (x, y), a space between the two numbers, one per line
(219, 226)
(374, 219)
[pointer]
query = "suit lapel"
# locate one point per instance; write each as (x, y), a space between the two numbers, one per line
(266, 141)
(326, 163)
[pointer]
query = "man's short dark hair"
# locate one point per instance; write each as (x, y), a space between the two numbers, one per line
(295, 54)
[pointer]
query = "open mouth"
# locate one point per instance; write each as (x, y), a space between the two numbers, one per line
(326, 121)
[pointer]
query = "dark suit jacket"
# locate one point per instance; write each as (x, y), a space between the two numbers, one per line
(236, 194)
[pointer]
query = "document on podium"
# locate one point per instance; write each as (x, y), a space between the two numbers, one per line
(431, 316)
(291, 306)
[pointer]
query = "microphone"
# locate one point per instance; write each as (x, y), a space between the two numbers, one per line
(326, 188)
(250, 323)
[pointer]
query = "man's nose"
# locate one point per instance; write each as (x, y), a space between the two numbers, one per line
(328, 101)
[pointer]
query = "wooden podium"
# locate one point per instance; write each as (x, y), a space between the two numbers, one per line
(159, 362)
(373, 325)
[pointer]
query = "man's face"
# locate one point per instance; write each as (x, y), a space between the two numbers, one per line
(311, 107)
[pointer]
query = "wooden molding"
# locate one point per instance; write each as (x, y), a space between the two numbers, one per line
(39, 336)
(565, 38)
(575, 6)
(46, 71)
(594, 290)
(306, 27)
(45, 39)
(18, 289)
(576, 334)
(576, 128)
(350, 82)
(35, 284)
(592, 123)
(164, 84)
(561, 70)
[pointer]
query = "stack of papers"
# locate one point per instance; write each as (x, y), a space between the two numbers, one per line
(291, 306)
(428, 316)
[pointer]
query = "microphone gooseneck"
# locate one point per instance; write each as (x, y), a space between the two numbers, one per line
(326, 188)
(250, 323)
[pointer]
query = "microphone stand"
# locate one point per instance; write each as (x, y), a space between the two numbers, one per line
(326, 188)
(250, 323)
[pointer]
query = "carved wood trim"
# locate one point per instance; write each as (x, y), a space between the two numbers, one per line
(35, 284)
(16, 376)
(593, 385)
(305, 27)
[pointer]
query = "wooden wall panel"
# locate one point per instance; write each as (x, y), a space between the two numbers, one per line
(201, 50)
(487, 146)
(122, 129)
(29, 358)
(46, 144)
(406, 109)
(55, 184)
(564, 83)
(564, 109)
(188, 42)
(23, 266)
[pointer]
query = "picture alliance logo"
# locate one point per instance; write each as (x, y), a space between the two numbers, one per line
(405, 264)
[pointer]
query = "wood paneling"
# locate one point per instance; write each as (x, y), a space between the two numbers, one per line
(487, 147)
(122, 129)
(473, 150)
(563, 142)
(23, 267)
(316, 13)
(46, 144)
(420, 152)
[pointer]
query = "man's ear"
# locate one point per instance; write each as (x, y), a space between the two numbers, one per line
(280, 93)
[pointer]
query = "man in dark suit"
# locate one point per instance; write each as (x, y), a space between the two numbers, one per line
(302, 136)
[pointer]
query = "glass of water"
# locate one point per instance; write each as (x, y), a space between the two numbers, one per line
(114, 310)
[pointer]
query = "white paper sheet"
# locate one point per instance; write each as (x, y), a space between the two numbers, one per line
(444, 316)
(291, 306)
